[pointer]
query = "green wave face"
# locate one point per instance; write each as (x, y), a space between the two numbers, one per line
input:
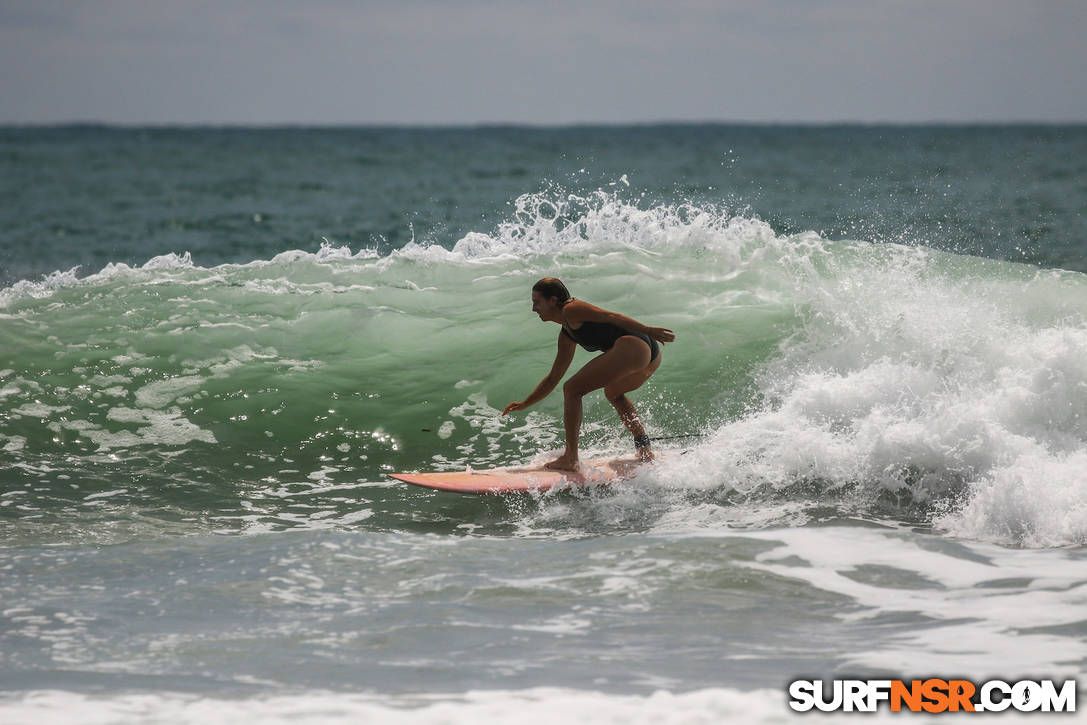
(278, 393)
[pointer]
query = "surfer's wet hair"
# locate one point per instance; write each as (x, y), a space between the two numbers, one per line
(551, 287)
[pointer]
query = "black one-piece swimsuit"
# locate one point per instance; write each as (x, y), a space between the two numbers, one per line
(601, 336)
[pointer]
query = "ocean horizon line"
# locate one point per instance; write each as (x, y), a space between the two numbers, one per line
(529, 126)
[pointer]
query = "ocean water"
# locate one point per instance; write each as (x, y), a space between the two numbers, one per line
(216, 343)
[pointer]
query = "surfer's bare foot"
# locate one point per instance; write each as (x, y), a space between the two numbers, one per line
(563, 463)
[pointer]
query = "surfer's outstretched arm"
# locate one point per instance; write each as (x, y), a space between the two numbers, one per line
(563, 357)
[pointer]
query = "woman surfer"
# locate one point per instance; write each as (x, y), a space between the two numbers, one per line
(631, 355)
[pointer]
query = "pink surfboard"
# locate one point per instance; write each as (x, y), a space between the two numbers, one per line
(600, 471)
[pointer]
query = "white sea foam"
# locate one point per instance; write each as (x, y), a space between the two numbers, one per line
(38, 290)
(537, 705)
(153, 427)
(976, 620)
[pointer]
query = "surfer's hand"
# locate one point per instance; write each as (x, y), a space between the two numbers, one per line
(662, 334)
(517, 405)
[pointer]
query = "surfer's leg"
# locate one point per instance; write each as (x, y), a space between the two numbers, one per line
(616, 393)
(571, 419)
(628, 355)
(629, 415)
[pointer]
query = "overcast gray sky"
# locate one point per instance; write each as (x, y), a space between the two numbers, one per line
(536, 61)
